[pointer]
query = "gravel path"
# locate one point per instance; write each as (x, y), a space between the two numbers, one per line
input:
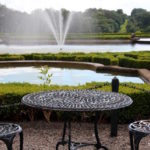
(39, 135)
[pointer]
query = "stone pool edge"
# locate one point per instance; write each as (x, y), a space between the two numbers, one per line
(143, 73)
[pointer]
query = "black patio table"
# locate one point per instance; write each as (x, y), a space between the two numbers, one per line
(77, 101)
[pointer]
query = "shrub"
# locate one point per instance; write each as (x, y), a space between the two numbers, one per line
(138, 110)
(28, 56)
(49, 57)
(13, 92)
(4, 55)
(134, 63)
(78, 53)
(132, 55)
(102, 60)
(126, 62)
(144, 57)
(12, 57)
(83, 58)
(65, 57)
(37, 57)
(2, 58)
(114, 61)
(130, 59)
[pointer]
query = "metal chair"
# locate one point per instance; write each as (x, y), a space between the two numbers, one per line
(138, 130)
(7, 133)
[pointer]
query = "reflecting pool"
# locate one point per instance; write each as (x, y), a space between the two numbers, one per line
(60, 76)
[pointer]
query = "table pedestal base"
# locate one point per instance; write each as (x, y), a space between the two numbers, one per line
(76, 145)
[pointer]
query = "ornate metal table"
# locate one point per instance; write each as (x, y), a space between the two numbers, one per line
(77, 101)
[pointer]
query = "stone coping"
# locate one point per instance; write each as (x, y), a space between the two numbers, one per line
(143, 73)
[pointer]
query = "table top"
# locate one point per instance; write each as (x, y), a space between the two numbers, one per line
(77, 100)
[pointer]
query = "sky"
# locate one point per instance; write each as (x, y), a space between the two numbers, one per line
(76, 5)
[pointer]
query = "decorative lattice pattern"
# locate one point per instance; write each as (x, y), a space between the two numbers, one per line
(77, 100)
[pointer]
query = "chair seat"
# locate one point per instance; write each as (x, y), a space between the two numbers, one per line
(7, 133)
(9, 129)
(142, 126)
(138, 130)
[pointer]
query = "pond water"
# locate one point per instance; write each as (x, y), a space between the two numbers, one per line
(20, 49)
(144, 39)
(60, 76)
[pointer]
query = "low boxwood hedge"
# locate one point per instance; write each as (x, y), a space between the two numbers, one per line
(132, 55)
(114, 61)
(83, 58)
(128, 59)
(28, 56)
(65, 57)
(102, 60)
(49, 57)
(11, 57)
(134, 63)
(37, 57)
(11, 93)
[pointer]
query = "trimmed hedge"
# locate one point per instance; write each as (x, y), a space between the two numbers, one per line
(102, 60)
(28, 56)
(134, 63)
(132, 55)
(114, 61)
(49, 57)
(129, 59)
(13, 92)
(84, 58)
(11, 57)
(37, 57)
(65, 57)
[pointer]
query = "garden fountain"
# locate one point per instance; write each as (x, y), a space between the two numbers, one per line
(59, 23)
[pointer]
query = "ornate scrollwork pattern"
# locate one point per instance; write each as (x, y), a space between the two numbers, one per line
(9, 129)
(142, 126)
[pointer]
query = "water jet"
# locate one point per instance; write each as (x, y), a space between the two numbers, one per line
(59, 23)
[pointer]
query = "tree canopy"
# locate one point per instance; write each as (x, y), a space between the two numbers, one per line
(90, 21)
(139, 21)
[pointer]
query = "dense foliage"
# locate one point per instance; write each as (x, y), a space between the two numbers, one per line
(93, 23)
(126, 59)
(98, 20)
(90, 21)
(139, 21)
(12, 93)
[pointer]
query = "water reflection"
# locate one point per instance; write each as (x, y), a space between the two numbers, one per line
(19, 49)
(61, 76)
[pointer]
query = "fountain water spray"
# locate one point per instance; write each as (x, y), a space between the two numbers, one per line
(59, 24)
